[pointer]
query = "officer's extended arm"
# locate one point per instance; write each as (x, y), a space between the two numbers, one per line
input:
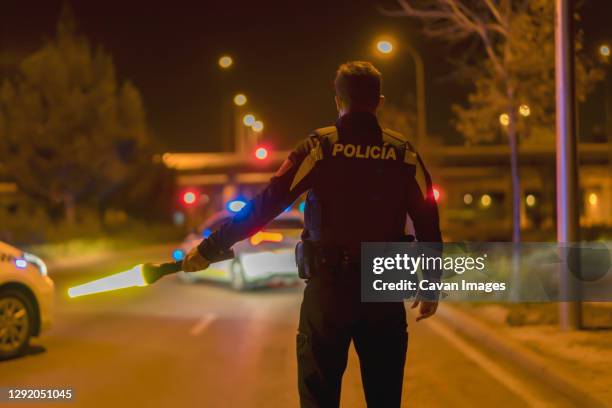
(290, 181)
(424, 210)
(426, 221)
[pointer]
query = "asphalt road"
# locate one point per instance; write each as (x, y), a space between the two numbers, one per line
(180, 345)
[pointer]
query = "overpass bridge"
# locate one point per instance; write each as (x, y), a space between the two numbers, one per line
(474, 182)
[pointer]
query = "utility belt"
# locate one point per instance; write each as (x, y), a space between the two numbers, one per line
(310, 256)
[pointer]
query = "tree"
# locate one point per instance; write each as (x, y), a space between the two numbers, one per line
(69, 131)
(514, 83)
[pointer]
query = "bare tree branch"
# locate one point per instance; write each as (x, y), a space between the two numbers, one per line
(502, 21)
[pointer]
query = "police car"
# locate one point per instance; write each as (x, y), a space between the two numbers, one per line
(26, 299)
(266, 258)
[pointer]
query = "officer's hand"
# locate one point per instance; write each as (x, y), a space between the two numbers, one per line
(427, 309)
(194, 262)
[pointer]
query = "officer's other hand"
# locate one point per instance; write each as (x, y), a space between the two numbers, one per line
(427, 309)
(194, 261)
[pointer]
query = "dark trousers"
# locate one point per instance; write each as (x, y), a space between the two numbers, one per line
(331, 316)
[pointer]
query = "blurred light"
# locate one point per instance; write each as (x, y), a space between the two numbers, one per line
(236, 205)
(485, 200)
(604, 50)
(21, 263)
(524, 110)
(261, 153)
(504, 119)
(206, 233)
(225, 61)
(530, 200)
(287, 209)
(593, 199)
(178, 254)
(436, 193)
(262, 236)
(248, 119)
(178, 218)
(189, 197)
(468, 198)
(258, 126)
(302, 206)
(384, 47)
(240, 99)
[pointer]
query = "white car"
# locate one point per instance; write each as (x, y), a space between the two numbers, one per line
(26, 299)
(266, 258)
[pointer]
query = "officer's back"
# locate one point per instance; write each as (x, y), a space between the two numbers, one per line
(359, 192)
(361, 183)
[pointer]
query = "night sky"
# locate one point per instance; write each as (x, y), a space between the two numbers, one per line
(285, 54)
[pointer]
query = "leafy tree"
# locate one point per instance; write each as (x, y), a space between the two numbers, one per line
(69, 132)
(514, 87)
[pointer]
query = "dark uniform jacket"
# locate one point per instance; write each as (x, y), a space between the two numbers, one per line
(361, 182)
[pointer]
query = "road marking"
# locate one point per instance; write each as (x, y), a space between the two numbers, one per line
(495, 370)
(202, 324)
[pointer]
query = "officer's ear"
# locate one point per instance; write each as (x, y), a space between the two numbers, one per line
(381, 102)
(339, 105)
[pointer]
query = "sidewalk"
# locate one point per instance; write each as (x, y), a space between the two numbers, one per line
(575, 363)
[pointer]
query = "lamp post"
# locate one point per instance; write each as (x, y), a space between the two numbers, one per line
(386, 47)
(604, 53)
(570, 309)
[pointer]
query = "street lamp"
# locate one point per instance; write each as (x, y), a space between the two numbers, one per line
(225, 61)
(386, 47)
(248, 119)
(604, 50)
(257, 126)
(240, 99)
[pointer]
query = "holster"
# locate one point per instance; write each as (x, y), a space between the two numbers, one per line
(305, 258)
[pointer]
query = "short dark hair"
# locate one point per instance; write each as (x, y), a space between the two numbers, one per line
(358, 83)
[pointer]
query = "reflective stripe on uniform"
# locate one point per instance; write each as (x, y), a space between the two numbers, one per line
(307, 164)
(329, 132)
(411, 158)
(419, 175)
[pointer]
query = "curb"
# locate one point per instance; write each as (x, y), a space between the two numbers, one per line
(562, 381)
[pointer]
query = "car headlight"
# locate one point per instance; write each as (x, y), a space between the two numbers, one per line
(37, 262)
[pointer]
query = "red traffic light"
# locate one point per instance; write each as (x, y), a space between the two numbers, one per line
(436, 193)
(189, 197)
(261, 153)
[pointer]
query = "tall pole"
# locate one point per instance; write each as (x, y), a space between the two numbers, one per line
(567, 174)
(420, 94)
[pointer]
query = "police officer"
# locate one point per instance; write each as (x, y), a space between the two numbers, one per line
(362, 181)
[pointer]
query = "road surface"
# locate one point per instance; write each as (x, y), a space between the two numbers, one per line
(180, 345)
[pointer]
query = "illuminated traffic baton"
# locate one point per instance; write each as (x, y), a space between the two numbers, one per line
(140, 275)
